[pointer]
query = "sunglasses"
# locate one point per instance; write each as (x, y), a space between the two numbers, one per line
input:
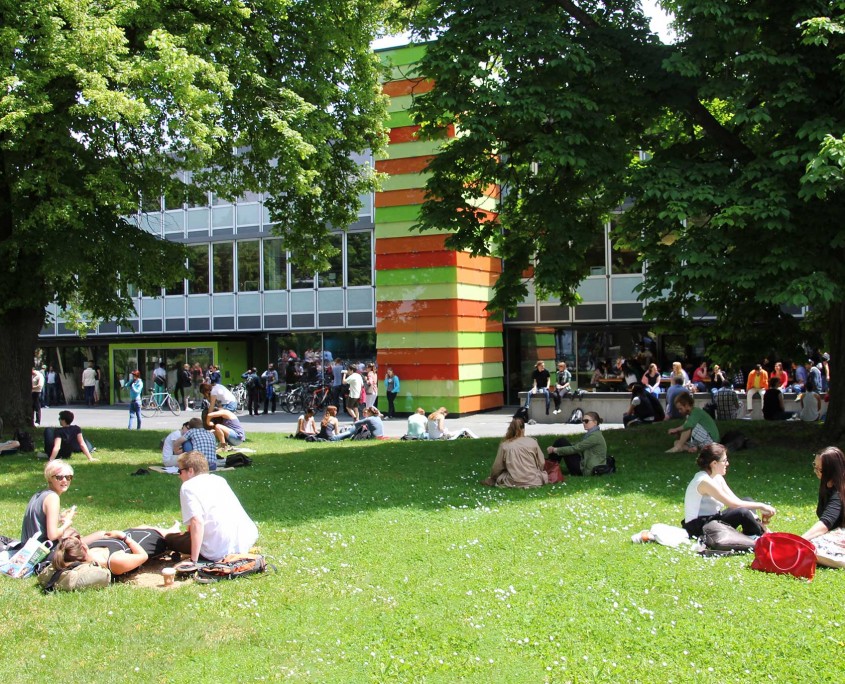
(184, 470)
(63, 477)
(587, 420)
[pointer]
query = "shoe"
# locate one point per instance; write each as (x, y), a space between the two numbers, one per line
(556, 411)
(45, 407)
(141, 471)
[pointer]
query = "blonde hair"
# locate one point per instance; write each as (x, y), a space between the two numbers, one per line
(515, 429)
(57, 467)
(439, 412)
(195, 460)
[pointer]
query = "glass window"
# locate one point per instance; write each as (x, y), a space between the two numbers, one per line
(150, 203)
(622, 259)
(275, 266)
(198, 266)
(248, 266)
(359, 259)
(177, 289)
(595, 255)
(224, 266)
(333, 277)
(301, 280)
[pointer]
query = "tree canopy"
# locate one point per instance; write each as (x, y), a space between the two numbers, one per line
(735, 203)
(106, 102)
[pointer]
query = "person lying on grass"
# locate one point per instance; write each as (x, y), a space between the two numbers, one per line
(708, 497)
(829, 467)
(698, 430)
(120, 551)
(43, 515)
(519, 460)
(580, 458)
(9, 447)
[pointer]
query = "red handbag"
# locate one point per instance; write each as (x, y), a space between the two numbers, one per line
(553, 471)
(785, 554)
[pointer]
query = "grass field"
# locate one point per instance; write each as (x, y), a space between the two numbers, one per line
(395, 565)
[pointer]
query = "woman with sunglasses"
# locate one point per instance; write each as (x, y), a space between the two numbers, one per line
(829, 467)
(708, 497)
(43, 516)
(586, 454)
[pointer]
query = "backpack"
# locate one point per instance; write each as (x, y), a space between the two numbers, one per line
(362, 433)
(608, 468)
(734, 440)
(25, 439)
(522, 414)
(232, 566)
(576, 417)
(659, 413)
(238, 460)
(720, 536)
(75, 577)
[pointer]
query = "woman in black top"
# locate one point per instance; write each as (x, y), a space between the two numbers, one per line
(829, 467)
(773, 408)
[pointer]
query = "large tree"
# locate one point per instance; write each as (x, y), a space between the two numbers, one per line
(736, 204)
(105, 102)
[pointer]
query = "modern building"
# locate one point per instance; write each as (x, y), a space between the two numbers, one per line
(393, 295)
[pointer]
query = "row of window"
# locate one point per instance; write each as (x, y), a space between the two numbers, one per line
(263, 265)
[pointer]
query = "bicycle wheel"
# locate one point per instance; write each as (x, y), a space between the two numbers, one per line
(173, 405)
(292, 402)
(148, 407)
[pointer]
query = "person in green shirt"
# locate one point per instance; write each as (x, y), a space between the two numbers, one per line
(697, 431)
(591, 451)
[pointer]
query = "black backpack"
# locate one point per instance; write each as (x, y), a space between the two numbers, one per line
(231, 567)
(576, 417)
(238, 460)
(522, 414)
(25, 439)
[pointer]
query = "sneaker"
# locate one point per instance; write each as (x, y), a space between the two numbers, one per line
(556, 411)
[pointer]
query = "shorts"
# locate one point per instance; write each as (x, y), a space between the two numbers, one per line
(233, 439)
(231, 406)
(700, 437)
(352, 402)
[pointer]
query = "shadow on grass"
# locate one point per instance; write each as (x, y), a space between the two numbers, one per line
(293, 482)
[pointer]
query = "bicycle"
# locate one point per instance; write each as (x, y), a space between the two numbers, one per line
(319, 397)
(294, 399)
(157, 401)
(241, 394)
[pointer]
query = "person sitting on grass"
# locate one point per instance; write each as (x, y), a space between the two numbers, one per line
(66, 440)
(773, 408)
(330, 428)
(698, 430)
(305, 426)
(708, 497)
(217, 522)
(591, 451)
(43, 516)
(120, 551)
(641, 409)
(369, 426)
(226, 427)
(519, 460)
(197, 438)
(829, 467)
(169, 449)
(437, 427)
(417, 425)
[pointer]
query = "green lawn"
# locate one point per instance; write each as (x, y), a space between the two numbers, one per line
(394, 565)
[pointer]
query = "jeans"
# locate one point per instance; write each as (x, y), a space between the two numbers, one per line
(735, 517)
(36, 407)
(135, 410)
(391, 407)
(545, 391)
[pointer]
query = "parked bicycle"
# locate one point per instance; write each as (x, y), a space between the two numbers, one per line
(319, 397)
(241, 396)
(157, 401)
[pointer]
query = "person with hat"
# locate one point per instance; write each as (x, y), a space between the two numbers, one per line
(136, 389)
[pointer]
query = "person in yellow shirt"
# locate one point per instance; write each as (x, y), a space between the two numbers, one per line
(758, 381)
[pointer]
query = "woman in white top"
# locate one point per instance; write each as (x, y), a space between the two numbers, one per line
(708, 497)
(437, 427)
(811, 406)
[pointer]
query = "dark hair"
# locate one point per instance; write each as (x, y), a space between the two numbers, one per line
(833, 472)
(69, 550)
(66, 416)
(637, 389)
(595, 416)
(205, 388)
(684, 398)
(774, 382)
(710, 453)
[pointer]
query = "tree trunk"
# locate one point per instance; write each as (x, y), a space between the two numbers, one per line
(835, 423)
(19, 329)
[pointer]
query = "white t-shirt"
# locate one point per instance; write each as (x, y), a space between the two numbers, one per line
(168, 458)
(417, 424)
(697, 505)
(810, 409)
(224, 396)
(89, 377)
(228, 529)
(356, 383)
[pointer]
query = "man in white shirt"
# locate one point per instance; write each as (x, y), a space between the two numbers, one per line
(89, 382)
(356, 383)
(417, 425)
(217, 523)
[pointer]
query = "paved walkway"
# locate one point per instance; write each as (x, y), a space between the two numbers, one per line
(492, 424)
